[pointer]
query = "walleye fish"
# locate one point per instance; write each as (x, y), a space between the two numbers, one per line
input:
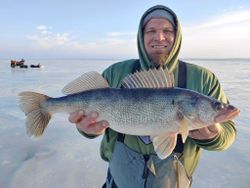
(148, 105)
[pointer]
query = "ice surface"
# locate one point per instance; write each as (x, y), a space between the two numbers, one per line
(63, 158)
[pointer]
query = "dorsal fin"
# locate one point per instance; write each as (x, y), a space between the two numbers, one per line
(88, 81)
(153, 78)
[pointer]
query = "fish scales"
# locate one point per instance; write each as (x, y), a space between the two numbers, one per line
(146, 109)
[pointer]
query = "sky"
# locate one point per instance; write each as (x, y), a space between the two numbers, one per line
(107, 29)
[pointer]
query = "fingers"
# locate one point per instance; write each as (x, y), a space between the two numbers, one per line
(214, 128)
(90, 118)
(200, 134)
(194, 134)
(97, 128)
(88, 123)
(205, 133)
(75, 117)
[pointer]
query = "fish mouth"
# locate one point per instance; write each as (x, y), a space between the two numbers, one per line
(227, 114)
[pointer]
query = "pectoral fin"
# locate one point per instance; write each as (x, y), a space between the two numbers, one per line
(164, 144)
(184, 123)
(184, 129)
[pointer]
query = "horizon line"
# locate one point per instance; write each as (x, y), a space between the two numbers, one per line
(86, 58)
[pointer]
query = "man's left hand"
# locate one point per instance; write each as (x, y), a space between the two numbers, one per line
(205, 133)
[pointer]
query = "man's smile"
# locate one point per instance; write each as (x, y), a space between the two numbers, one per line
(159, 46)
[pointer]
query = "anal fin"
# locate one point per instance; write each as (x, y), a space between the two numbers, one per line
(164, 144)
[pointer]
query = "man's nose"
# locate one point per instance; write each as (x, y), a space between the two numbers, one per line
(159, 36)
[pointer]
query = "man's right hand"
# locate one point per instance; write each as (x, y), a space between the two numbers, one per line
(87, 123)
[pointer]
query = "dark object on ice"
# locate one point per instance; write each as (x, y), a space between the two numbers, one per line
(24, 66)
(20, 64)
(35, 66)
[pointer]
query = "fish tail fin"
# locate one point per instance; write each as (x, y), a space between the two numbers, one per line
(37, 117)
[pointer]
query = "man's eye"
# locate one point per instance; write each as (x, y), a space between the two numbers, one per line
(150, 31)
(169, 31)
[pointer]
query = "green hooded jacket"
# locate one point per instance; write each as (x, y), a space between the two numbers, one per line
(198, 79)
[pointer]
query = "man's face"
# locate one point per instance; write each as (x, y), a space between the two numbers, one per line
(159, 37)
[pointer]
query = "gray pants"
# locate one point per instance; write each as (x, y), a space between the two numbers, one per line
(131, 169)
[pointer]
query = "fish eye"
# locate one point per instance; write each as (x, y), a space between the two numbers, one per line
(218, 106)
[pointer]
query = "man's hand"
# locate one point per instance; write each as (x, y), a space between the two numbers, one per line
(88, 123)
(205, 133)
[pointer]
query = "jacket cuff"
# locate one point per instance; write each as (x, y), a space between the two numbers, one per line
(91, 136)
(208, 142)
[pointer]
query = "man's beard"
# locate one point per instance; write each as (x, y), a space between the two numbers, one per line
(158, 61)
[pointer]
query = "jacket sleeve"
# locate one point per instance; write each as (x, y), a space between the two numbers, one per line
(227, 132)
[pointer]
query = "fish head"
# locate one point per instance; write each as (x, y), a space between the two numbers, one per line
(225, 112)
(202, 111)
(211, 111)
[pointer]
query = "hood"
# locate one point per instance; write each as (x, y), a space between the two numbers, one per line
(172, 59)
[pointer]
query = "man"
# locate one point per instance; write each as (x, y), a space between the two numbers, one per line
(132, 159)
